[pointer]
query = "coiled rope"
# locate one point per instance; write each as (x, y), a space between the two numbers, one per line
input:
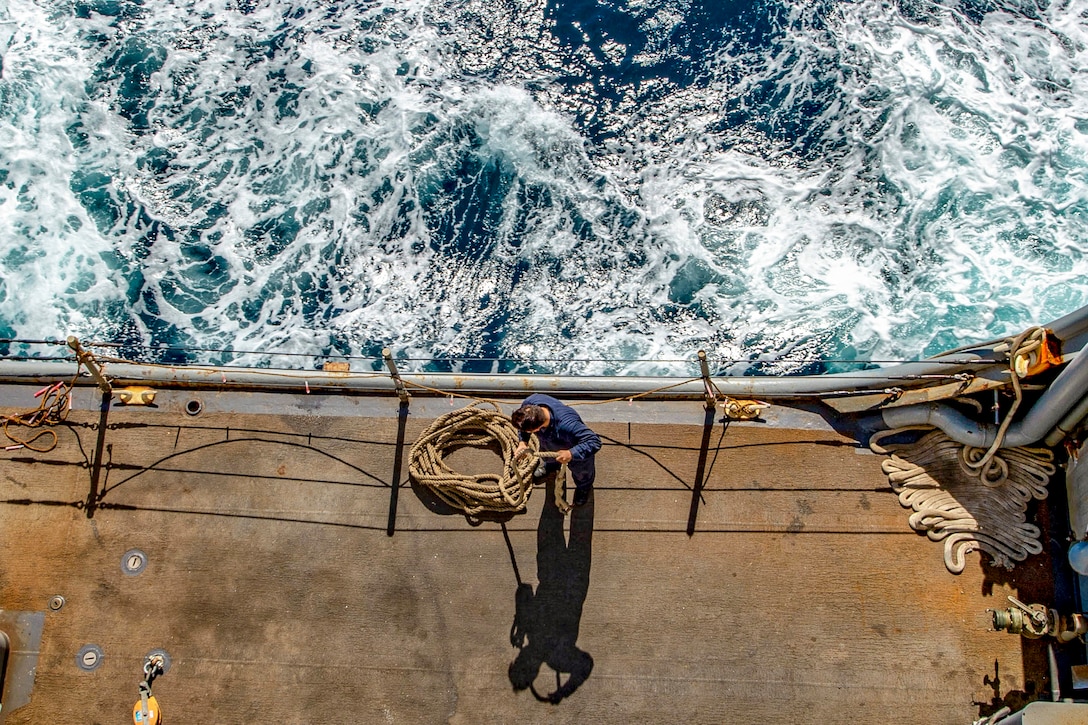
(476, 427)
(970, 508)
(1020, 351)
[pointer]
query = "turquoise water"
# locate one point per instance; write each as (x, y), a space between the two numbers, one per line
(600, 187)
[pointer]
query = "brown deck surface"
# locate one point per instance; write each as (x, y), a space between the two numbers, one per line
(275, 587)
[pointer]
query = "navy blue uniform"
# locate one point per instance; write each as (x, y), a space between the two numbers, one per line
(567, 432)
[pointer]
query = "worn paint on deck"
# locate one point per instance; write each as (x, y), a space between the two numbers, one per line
(789, 588)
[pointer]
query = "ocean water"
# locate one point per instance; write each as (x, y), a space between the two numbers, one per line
(579, 186)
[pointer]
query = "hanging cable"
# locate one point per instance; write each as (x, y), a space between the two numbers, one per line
(1020, 348)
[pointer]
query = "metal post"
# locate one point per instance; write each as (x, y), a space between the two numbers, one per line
(708, 389)
(87, 360)
(402, 419)
(402, 392)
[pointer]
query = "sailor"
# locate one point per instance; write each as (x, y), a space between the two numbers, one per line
(559, 428)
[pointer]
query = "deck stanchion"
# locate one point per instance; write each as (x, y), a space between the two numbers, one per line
(708, 387)
(710, 405)
(87, 360)
(402, 392)
(402, 420)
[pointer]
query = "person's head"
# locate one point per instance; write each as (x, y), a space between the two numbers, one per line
(529, 418)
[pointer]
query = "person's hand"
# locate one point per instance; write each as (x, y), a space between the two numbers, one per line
(563, 457)
(520, 450)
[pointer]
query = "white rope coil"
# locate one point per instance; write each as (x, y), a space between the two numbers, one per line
(475, 494)
(970, 508)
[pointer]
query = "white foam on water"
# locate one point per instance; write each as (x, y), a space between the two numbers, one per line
(952, 210)
(55, 277)
(425, 176)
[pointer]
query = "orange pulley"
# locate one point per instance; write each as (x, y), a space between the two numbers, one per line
(146, 710)
(150, 706)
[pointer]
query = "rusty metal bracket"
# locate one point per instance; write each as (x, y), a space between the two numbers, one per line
(1044, 357)
(402, 391)
(87, 360)
(708, 387)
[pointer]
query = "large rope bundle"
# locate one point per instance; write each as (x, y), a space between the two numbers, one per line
(968, 507)
(475, 494)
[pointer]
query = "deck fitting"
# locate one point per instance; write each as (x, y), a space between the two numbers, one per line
(89, 657)
(133, 562)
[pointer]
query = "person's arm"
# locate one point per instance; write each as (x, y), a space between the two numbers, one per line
(587, 443)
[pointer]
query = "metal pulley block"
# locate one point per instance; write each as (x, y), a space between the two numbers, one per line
(146, 710)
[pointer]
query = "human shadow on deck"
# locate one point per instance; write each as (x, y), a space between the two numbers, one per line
(546, 621)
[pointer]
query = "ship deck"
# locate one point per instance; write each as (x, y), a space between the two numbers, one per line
(759, 570)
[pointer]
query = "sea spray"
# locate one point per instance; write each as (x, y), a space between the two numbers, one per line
(571, 187)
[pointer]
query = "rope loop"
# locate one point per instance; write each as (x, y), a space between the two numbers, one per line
(991, 469)
(1020, 349)
(53, 406)
(970, 499)
(476, 427)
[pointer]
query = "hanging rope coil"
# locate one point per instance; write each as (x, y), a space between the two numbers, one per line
(968, 507)
(475, 427)
(53, 406)
(1022, 350)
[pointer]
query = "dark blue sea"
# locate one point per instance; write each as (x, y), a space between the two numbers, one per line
(581, 186)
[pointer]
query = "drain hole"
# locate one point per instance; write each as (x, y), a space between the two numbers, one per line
(193, 407)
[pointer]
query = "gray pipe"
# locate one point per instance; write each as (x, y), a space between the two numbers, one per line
(1066, 391)
(505, 385)
(977, 360)
(1068, 423)
(1072, 330)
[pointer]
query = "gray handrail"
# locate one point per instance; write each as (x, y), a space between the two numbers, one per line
(191, 376)
(979, 360)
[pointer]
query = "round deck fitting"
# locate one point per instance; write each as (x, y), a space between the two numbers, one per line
(56, 603)
(165, 658)
(193, 407)
(89, 657)
(133, 562)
